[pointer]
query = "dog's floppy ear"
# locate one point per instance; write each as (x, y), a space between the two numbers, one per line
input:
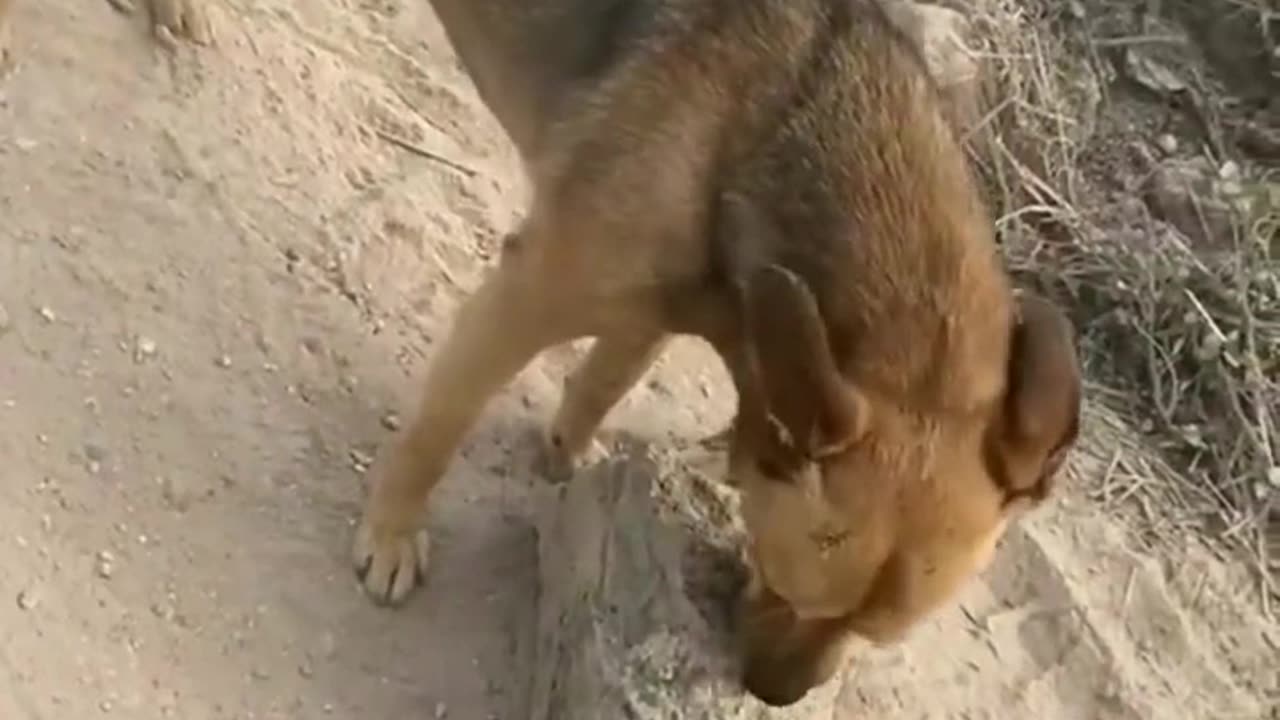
(802, 390)
(1041, 413)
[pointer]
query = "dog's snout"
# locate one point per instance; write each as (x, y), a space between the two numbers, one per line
(775, 686)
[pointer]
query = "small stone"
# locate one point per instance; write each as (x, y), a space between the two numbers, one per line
(143, 348)
(5, 321)
(48, 314)
(173, 494)
(1230, 170)
(1168, 143)
(105, 706)
(391, 421)
(1152, 74)
(223, 362)
(442, 711)
(1273, 476)
(106, 565)
(1182, 194)
(360, 461)
(28, 599)
(25, 144)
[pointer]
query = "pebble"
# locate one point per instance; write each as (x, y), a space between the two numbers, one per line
(391, 421)
(106, 565)
(28, 599)
(1168, 143)
(143, 348)
(5, 322)
(223, 361)
(48, 314)
(442, 710)
(360, 461)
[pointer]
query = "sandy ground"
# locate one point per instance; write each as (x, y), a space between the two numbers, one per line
(220, 273)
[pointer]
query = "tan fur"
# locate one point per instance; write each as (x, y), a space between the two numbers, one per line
(783, 179)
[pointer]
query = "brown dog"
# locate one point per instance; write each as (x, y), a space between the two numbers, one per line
(780, 178)
(170, 19)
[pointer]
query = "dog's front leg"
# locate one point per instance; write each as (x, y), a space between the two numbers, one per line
(615, 363)
(497, 331)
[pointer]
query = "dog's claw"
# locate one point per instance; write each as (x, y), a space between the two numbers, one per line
(175, 19)
(389, 565)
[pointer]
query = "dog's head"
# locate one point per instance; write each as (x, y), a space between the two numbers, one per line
(863, 514)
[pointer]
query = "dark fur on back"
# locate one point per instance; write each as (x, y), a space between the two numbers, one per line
(853, 142)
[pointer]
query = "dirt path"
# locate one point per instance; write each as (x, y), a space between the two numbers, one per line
(220, 272)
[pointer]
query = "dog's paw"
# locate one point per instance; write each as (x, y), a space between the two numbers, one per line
(555, 464)
(389, 563)
(174, 20)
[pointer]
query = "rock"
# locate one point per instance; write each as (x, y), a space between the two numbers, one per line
(640, 566)
(944, 36)
(1151, 73)
(1185, 194)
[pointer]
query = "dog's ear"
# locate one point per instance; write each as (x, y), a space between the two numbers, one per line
(1041, 413)
(802, 390)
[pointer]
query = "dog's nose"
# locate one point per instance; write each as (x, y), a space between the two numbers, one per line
(773, 686)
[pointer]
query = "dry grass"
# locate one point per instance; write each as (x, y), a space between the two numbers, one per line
(1185, 344)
